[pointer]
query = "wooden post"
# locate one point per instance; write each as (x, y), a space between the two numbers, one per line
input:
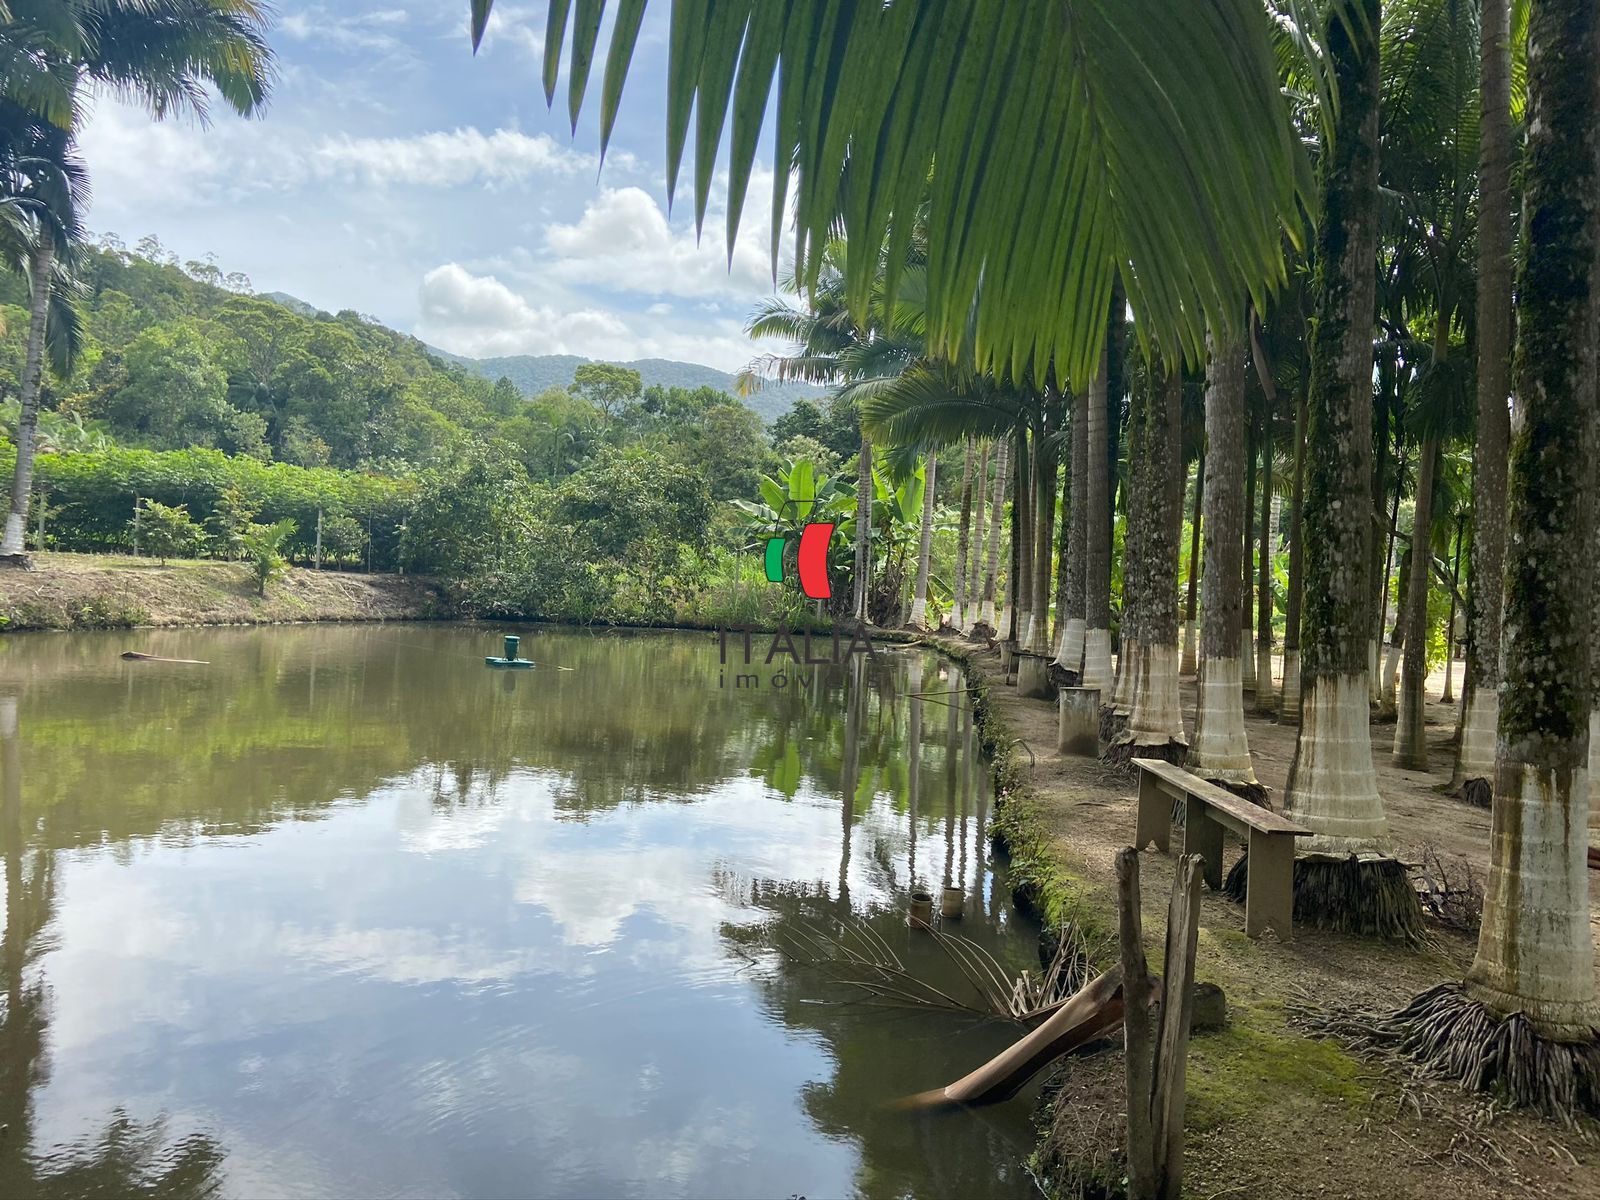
(1155, 1065)
(1138, 1050)
(136, 525)
(1172, 1051)
(317, 553)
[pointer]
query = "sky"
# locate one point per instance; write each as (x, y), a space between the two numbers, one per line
(396, 174)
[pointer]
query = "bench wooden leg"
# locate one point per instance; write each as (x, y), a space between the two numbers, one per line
(1269, 899)
(1203, 836)
(1154, 820)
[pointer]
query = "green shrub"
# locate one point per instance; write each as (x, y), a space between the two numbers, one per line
(165, 530)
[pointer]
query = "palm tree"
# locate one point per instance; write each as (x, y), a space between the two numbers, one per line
(963, 538)
(919, 595)
(975, 566)
(1345, 880)
(43, 189)
(1069, 648)
(1220, 750)
(1480, 698)
(1155, 719)
(161, 53)
(829, 346)
(1526, 1021)
(888, 90)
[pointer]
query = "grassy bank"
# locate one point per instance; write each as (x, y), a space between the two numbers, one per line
(102, 591)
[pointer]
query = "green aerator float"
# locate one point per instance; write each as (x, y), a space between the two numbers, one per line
(510, 662)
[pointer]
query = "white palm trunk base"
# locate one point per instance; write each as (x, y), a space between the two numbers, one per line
(1333, 786)
(1069, 653)
(1157, 717)
(1189, 664)
(1289, 696)
(1448, 696)
(1391, 678)
(12, 542)
(1247, 662)
(1220, 749)
(1594, 778)
(1535, 948)
(1127, 669)
(1478, 736)
(1037, 638)
(1097, 659)
(1008, 620)
(1265, 692)
(919, 613)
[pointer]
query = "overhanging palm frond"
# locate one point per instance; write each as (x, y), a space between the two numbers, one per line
(1148, 138)
(934, 405)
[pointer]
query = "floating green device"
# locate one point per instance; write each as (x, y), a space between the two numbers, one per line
(510, 660)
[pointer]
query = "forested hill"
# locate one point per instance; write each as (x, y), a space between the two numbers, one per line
(533, 373)
(181, 355)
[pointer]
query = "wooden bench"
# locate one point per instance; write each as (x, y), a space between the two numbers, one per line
(1208, 811)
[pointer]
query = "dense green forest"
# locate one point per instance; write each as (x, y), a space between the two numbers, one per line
(197, 410)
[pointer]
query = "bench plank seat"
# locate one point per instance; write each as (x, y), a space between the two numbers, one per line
(1209, 811)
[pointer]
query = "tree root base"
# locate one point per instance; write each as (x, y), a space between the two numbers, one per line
(1127, 747)
(1454, 1036)
(1477, 792)
(1113, 723)
(1257, 793)
(1371, 897)
(17, 562)
(1060, 677)
(980, 632)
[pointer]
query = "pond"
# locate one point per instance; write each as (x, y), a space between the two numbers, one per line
(343, 912)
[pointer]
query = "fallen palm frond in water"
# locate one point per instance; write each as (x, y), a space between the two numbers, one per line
(854, 954)
(1095, 1011)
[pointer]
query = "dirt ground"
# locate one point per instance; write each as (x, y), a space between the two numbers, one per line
(103, 591)
(1272, 1111)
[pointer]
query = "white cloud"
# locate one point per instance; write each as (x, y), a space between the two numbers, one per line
(480, 316)
(454, 158)
(625, 242)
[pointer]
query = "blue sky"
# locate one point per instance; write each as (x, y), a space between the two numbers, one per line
(396, 174)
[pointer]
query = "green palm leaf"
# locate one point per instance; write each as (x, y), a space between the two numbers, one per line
(1146, 138)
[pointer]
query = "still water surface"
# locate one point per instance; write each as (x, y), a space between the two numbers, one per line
(345, 913)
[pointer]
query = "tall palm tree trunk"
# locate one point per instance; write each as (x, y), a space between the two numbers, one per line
(1247, 558)
(1266, 703)
(1410, 737)
(41, 263)
(919, 593)
(963, 540)
(1064, 532)
(1289, 700)
(986, 614)
(1069, 653)
(1333, 785)
(1535, 947)
(975, 566)
(1220, 750)
(1485, 597)
(1134, 596)
(863, 591)
(1155, 724)
(1191, 661)
(1097, 538)
(1019, 598)
(1044, 526)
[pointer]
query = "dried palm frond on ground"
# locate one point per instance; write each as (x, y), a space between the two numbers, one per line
(1450, 1035)
(854, 954)
(1450, 889)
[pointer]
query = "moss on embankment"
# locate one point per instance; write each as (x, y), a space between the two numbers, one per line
(95, 591)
